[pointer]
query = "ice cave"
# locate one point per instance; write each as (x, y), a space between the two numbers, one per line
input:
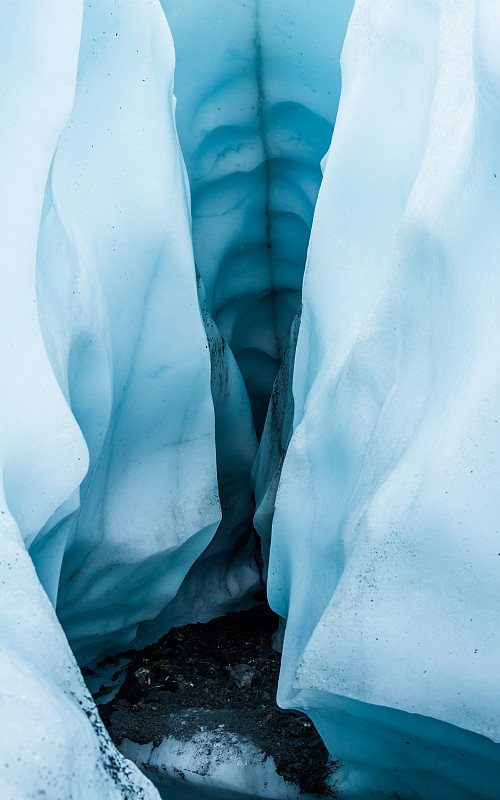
(250, 416)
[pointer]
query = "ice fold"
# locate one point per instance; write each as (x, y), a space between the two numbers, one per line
(126, 431)
(384, 553)
(52, 739)
(257, 99)
(107, 445)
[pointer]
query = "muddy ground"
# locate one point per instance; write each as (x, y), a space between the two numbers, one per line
(221, 672)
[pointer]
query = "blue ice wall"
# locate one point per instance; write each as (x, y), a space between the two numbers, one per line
(257, 99)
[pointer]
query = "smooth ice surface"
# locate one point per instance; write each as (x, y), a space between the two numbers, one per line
(119, 311)
(258, 86)
(107, 441)
(126, 431)
(52, 740)
(384, 551)
(226, 575)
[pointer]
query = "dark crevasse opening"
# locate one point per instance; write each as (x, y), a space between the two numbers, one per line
(257, 99)
(257, 90)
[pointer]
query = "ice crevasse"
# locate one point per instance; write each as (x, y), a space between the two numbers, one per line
(141, 336)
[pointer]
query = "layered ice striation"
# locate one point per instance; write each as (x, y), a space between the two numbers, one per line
(58, 389)
(118, 308)
(258, 86)
(384, 551)
(141, 338)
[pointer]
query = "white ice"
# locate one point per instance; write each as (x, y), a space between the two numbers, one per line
(385, 550)
(212, 764)
(107, 442)
(52, 740)
(118, 307)
(131, 388)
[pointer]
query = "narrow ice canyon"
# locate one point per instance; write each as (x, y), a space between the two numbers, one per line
(249, 303)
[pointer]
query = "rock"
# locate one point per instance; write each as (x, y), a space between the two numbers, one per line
(143, 676)
(242, 675)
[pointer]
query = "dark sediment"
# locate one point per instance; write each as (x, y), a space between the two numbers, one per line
(223, 672)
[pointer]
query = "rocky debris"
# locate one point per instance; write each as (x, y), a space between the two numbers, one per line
(242, 675)
(143, 675)
(220, 673)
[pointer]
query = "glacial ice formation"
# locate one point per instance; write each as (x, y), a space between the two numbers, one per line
(227, 574)
(107, 440)
(114, 267)
(384, 551)
(140, 343)
(52, 740)
(258, 86)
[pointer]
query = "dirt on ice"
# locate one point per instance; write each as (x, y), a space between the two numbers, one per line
(223, 672)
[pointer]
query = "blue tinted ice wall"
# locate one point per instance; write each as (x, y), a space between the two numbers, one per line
(257, 86)
(384, 553)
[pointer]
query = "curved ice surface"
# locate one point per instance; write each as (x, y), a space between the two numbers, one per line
(107, 445)
(118, 307)
(227, 574)
(125, 424)
(52, 740)
(384, 551)
(258, 86)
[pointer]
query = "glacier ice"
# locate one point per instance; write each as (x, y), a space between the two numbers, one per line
(107, 439)
(384, 549)
(52, 740)
(257, 99)
(114, 266)
(227, 574)
(141, 339)
(211, 765)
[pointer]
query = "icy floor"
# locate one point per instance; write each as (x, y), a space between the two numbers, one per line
(211, 765)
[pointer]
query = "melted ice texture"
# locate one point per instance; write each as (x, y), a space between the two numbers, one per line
(384, 551)
(145, 308)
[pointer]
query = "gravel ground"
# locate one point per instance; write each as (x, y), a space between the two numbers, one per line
(222, 672)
